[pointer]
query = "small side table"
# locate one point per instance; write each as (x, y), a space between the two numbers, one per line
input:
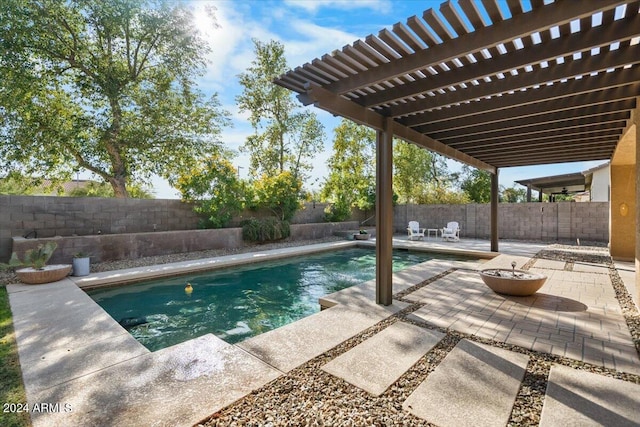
(434, 230)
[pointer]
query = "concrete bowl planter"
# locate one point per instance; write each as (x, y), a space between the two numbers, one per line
(363, 236)
(46, 274)
(512, 282)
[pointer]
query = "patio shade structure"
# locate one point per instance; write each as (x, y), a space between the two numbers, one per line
(557, 184)
(491, 84)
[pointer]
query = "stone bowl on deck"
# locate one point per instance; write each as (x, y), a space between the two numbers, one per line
(502, 281)
(47, 274)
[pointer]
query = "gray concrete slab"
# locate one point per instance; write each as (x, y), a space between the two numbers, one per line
(475, 385)
(549, 264)
(179, 385)
(378, 362)
(58, 317)
(291, 345)
(68, 363)
(575, 315)
(527, 249)
(586, 267)
(579, 398)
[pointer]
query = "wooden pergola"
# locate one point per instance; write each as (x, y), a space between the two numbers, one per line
(487, 84)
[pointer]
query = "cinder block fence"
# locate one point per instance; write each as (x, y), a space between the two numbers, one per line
(77, 217)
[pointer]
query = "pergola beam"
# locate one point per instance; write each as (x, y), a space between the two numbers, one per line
(568, 152)
(624, 81)
(564, 46)
(568, 126)
(543, 117)
(561, 159)
(616, 99)
(338, 105)
(558, 13)
(569, 70)
(607, 140)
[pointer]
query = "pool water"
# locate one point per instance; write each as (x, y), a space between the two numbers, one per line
(239, 302)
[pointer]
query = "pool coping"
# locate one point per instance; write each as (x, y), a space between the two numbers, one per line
(138, 274)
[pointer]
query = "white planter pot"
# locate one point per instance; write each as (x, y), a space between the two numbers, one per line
(81, 266)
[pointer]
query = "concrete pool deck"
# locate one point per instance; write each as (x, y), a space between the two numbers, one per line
(75, 355)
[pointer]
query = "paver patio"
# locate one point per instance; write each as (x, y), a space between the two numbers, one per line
(575, 314)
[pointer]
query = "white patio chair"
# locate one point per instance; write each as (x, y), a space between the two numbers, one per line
(414, 230)
(451, 231)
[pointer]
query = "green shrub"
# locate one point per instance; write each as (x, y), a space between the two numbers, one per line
(265, 229)
(337, 212)
(280, 194)
(213, 187)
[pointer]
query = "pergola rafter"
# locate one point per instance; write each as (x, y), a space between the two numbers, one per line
(489, 84)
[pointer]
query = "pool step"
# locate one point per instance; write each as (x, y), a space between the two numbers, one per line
(287, 347)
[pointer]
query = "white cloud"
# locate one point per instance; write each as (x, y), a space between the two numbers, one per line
(382, 6)
(313, 42)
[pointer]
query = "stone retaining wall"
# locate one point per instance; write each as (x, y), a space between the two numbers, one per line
(49, 216)
(109, 247)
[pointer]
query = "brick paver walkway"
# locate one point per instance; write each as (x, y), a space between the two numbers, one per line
(575, 314)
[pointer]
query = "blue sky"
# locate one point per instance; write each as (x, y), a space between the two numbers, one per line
(308, 29)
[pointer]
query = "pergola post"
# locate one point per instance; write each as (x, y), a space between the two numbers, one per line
(384, 214)
(494, 211)
(636, 118)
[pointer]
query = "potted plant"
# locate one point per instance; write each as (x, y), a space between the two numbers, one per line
(81, 264)
(36, 270)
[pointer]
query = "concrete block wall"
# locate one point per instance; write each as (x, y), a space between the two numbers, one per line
(70, 216)
(86, 216)
(109, 247)
(549, 222)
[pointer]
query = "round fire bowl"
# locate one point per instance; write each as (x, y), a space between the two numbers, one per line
(502, 281)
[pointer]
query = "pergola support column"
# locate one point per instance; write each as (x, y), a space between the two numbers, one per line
(494, 211)
(384, 214)
(636, 117)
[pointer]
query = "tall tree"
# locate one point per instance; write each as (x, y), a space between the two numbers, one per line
(352, 167)
(106, 86)
(477, 184)
(421, 176)
(514, 195)
(286, 138)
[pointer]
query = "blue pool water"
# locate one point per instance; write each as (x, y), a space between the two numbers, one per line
(239, 302)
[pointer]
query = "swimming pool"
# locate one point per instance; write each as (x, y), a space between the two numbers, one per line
(240, 302)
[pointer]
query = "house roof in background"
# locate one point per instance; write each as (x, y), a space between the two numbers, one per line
(567, 183)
